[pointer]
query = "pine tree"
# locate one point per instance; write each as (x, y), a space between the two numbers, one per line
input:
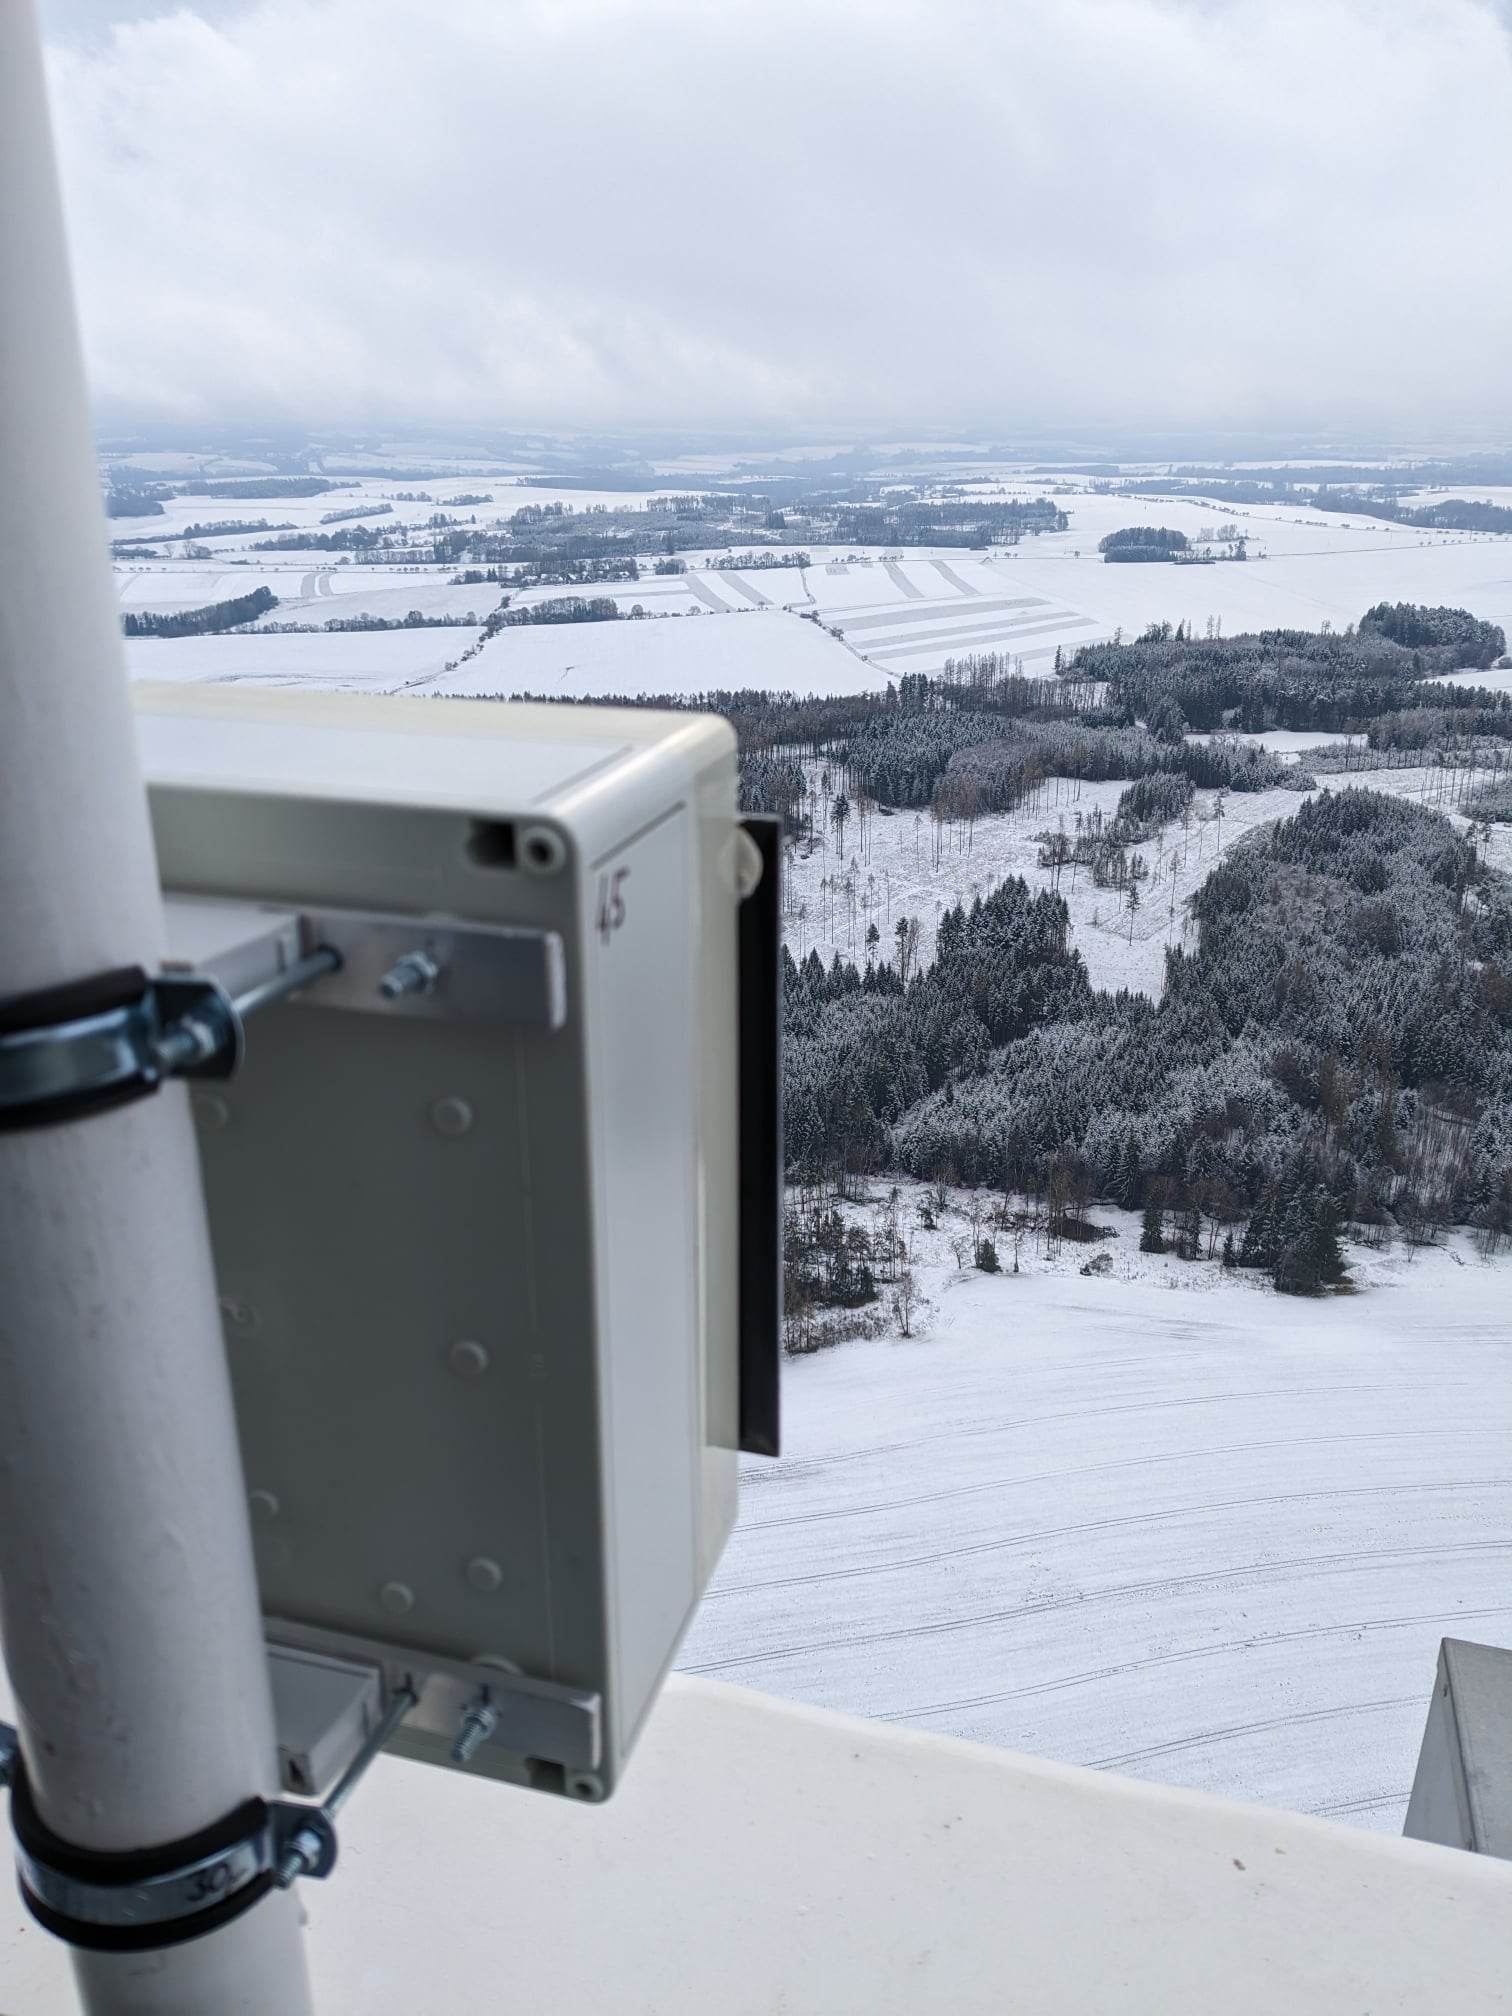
(1327, 1253)
(1130, 1174)
(1152, 1236)
(1258, 1247)
(1293, 1268)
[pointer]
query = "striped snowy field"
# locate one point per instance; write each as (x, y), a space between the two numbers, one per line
(1210, 1538)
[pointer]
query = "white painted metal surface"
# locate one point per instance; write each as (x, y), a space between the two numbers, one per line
(129, 1608)
(642, 1105)
(1462, 1794)
(763, 1858)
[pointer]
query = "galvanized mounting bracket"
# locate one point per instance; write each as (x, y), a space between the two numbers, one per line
(132, 1902)
(546, 1720)
(97, 1043)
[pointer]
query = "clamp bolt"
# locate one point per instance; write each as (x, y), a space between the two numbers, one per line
(416, 973)
(301, 1855)
(479, 1720)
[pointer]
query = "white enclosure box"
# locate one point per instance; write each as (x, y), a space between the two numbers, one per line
(478, 1245)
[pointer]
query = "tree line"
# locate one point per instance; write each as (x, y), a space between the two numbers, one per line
(1309, 680)
(204, 622)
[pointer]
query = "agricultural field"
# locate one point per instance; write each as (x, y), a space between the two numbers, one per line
(683, 655)
(885, 612)
(388, 661)
(1161, 1522)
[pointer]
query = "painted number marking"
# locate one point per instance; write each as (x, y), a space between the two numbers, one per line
(611, 902)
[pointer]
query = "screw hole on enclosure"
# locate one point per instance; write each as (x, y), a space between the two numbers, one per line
(491, 843)
(542, 850)
(586, 1788)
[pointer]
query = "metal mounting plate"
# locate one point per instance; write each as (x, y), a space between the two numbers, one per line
(487, 974)
(540, 1720)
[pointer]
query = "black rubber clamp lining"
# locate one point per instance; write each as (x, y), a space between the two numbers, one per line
(124, 1868)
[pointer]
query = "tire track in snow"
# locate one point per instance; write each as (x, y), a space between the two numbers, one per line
(1252, 1644)
(784, 1469)
(1370, 1805)
(1127, 1519)
(1159, 1585)
(752, 595)
(1207, 1736)
(1090, 1470)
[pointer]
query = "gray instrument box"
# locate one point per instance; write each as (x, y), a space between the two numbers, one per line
(479, 1243)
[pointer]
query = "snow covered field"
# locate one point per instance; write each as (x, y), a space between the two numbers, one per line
(1493, 679)
(896, 613)
(386, 661)
(903, 868)
(1165, 1522)
(684, 655)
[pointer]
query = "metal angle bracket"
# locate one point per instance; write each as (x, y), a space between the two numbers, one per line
(112, 1037)
(544, 1720)
(438, 969)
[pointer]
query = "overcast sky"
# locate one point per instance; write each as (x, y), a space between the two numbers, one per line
(984, 213)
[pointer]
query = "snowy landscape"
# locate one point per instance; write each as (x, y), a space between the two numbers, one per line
(1063, 1469)
(881, 612)
(1002, 1001)
(1161, 1520)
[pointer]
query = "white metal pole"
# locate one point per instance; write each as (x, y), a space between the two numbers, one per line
(129, 1605)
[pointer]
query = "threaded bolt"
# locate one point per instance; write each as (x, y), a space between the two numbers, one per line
(415, 973)
(301, 1856)
(479, 1720)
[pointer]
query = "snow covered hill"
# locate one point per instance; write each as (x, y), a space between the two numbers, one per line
(1165, 1521)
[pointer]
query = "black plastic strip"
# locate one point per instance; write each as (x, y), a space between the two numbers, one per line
(112, 1869)
(129, 1865)
(74, 1001)
(760, 1078)
(147, 1938)
(92, 1045)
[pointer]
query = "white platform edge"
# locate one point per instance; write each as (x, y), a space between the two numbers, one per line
(763, 1857)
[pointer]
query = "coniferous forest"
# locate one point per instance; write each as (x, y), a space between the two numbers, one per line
(1333, 1046)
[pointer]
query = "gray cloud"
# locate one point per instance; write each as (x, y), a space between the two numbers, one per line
(927, 211)
(74, 20)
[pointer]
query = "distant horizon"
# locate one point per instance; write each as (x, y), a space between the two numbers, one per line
(799, 443)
